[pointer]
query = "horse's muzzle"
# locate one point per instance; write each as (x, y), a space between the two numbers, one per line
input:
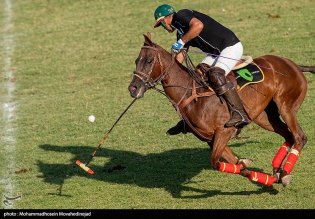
(137, 89)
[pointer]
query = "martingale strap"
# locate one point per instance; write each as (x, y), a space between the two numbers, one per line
(184, 102)
(194, 96)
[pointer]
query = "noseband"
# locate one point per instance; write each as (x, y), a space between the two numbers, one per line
(146, 78)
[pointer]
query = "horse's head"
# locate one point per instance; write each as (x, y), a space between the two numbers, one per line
(148, 69)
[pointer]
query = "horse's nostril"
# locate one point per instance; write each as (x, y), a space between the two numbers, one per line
(132, 88)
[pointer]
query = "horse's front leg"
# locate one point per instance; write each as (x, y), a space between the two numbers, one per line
(230, 157)
(219, 147)
(221, 138)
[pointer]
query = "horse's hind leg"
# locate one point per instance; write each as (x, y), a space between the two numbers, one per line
(300, 140)
(270, 120)
(288, 103)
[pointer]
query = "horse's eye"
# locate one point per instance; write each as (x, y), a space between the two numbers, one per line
(150, 60)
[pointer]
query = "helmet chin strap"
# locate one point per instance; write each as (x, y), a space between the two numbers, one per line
(163, 24)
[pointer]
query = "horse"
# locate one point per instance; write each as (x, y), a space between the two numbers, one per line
(272, 104)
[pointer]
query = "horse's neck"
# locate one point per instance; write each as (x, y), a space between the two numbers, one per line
(178, 81)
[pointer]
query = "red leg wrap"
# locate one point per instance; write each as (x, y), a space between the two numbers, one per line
(229, 168)
(292, 158)
(281, 154)
(262, 178)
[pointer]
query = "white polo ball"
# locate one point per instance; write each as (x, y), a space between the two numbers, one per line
(92, 118)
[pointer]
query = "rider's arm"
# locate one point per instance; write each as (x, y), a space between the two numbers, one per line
(195, 27)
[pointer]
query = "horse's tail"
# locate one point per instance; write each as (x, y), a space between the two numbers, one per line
(310, 69)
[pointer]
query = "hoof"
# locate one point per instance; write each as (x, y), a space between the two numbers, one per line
(236, 133)
(277, 177)
(286, 180)
(277, 174)
(245, 162)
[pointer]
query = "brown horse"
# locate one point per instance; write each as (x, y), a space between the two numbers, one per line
(272, 104)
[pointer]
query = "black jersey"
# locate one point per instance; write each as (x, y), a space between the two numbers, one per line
(213, 38)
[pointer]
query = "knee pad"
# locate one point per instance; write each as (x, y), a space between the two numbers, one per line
(218, 80)
(203, 67)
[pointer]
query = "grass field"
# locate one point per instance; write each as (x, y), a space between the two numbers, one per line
(67, 59)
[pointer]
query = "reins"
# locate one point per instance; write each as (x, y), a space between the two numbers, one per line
(146, 78)
(192, 70)
(151, 83)
(217, 56)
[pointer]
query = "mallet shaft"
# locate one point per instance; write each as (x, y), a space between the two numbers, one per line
(85, 166)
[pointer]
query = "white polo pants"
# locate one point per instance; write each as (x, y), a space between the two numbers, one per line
(227, 58)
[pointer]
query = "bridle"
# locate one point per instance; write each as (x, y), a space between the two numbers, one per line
(146, 78)
(150, 82)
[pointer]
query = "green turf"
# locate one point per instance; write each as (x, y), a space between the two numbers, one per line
(73, 58)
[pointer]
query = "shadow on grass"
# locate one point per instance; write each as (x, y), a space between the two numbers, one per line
(170, 170)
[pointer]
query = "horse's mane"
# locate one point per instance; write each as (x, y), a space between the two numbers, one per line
(148, 42)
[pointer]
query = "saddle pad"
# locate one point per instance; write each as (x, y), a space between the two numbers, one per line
(245, 60)
(249, 74)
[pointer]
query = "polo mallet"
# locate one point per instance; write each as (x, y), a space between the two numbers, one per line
(85, 166)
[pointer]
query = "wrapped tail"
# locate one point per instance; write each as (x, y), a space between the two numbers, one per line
(305, 68)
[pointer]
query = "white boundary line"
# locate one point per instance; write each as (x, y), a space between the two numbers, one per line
(8, 138)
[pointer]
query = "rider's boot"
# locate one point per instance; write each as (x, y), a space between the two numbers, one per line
(178, 128)
(226, 89)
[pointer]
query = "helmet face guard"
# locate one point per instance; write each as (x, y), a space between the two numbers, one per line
(161, 12)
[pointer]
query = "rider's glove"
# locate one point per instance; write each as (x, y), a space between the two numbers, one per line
(176, 47)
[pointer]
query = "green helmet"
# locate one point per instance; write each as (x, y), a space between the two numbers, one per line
(161, 12)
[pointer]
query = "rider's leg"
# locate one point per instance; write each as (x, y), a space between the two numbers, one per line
(224, 63)
(226, 89)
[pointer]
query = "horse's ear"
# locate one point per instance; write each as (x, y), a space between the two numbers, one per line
(149, 35)
(147, 39)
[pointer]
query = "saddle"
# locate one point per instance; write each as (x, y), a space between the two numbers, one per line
(244, 73)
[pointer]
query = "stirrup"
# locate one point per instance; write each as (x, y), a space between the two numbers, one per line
(240, 123)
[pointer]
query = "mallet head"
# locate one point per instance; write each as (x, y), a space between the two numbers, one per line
(84, 167)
